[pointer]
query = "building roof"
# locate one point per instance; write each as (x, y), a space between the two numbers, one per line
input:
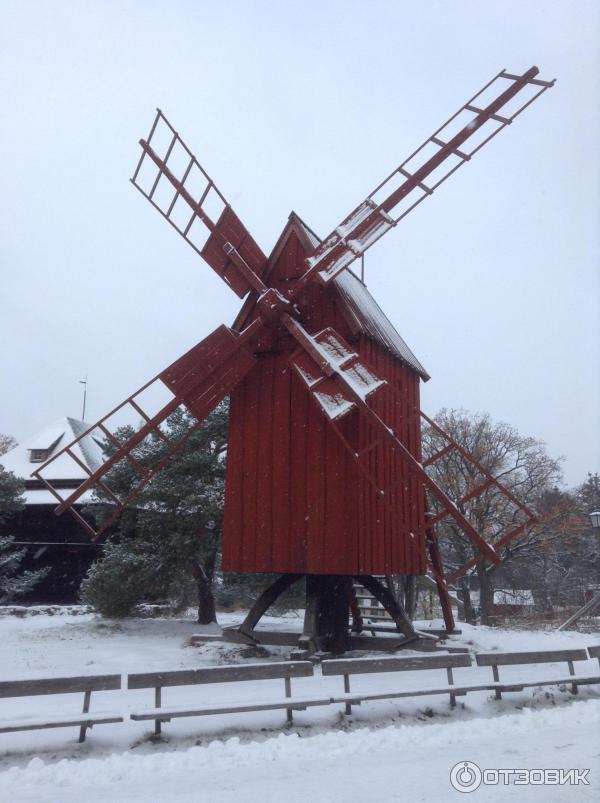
(362, 310)
(50, 440)
(371, 320)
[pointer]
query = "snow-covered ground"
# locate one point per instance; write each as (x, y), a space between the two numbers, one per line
(387, 750)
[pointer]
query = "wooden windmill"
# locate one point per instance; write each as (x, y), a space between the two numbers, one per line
(325, 478)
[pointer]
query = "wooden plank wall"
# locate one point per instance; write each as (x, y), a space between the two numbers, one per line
(295, 500)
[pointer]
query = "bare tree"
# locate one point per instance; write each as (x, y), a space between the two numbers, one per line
(522, 465)
(7, 442)
(588, 494)
(576, 561)
(556, 559)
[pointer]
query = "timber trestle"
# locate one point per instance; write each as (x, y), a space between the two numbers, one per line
(332, 621)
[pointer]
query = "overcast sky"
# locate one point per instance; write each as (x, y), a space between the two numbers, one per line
(493, 282)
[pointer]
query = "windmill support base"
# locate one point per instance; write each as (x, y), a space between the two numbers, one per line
(330, 600)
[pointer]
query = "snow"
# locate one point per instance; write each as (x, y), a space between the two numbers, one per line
(346, 258)
(356, 246)
(362, 380)
(371, 235)
(385, 764)
(55, 437)
(48, 437)
(388, 750)
(355, 218)
(346, 362)
(42, 496)
(363, 310)
(515, 596)
(372, 321)
(334, 405)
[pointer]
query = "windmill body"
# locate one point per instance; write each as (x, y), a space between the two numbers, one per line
(325, 479)
(296, 500)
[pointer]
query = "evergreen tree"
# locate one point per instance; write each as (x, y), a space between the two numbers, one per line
(12, 583)
(11, 496)
(166, 545)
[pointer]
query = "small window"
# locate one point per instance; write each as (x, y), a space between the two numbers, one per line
(38, 455)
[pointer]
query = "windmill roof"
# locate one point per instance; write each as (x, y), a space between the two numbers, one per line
(51, 439)
(363, 311)
(372, 321)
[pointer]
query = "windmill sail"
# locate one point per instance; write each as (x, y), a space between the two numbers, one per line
(199, 380)
(171, 178)
(451, 146)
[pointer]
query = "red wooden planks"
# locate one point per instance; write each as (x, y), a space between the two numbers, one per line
(281, 488)
(296, 499)
(229, 228)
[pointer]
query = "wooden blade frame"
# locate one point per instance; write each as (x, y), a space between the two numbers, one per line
(486, 481)
(405, 188)
(330, 364)
(171, 178)
(436, 567)
(199, 380)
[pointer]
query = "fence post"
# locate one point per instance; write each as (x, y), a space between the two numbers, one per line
(288, 693)
(87, 696)
(157, 704)
(347, 690)
(497, 679)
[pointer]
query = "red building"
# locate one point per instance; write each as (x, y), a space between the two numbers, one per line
(296, 500)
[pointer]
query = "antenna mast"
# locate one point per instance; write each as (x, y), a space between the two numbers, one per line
(84, 383)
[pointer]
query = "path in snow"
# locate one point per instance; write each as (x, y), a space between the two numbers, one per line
(395, 763)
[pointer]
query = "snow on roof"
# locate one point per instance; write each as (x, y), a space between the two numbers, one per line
(372, 321)
(48, 437)
(41, 496)
(368, 317)
(51, 439)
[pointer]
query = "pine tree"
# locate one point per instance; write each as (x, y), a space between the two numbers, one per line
(166, 546)
(11, 495)
(13, 583)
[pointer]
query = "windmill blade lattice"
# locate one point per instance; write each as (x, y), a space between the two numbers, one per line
(450, 147)
(199, 380)
(171, 178)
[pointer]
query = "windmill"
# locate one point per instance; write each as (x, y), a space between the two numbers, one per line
(325, 477)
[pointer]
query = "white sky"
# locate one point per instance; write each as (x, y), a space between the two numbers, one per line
(493, 282)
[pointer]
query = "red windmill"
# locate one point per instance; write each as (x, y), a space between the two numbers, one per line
(324, 477)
